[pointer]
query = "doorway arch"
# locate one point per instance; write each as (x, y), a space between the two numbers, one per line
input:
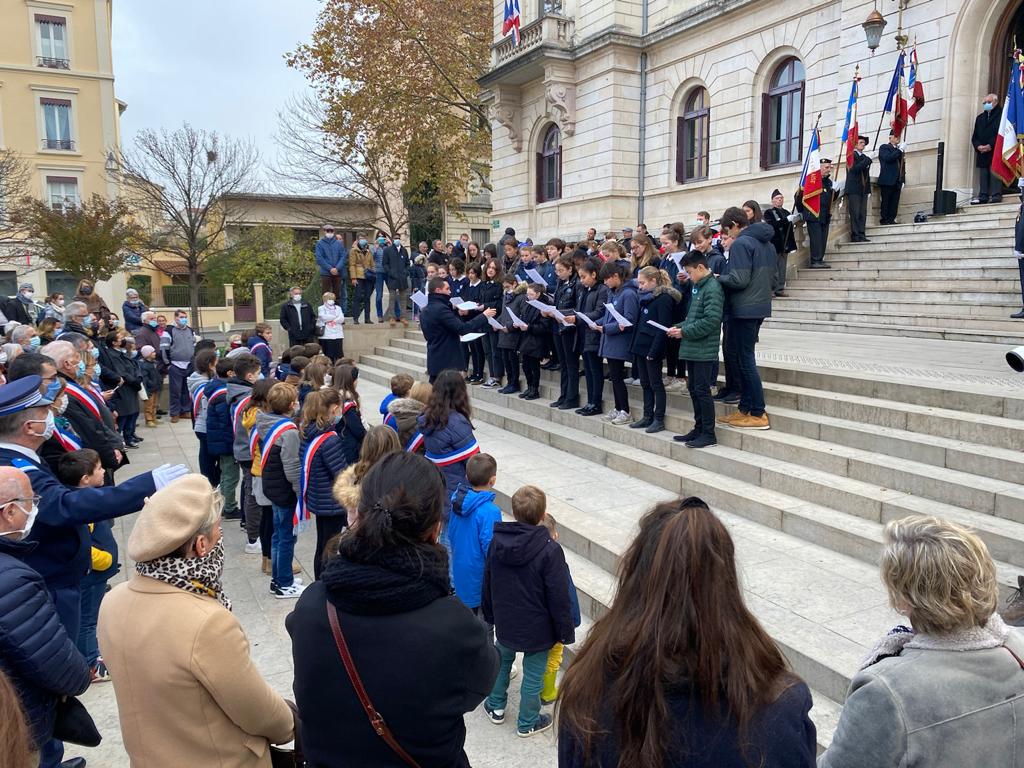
(1011, 29)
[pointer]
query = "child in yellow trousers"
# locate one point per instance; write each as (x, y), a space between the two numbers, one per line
(549, 692)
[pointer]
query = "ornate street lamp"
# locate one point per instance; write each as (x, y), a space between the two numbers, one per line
(873, 28)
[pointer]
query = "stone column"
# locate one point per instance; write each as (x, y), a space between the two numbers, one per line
(257, 298)
(229, 295)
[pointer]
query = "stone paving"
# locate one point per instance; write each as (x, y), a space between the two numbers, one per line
(262, 617)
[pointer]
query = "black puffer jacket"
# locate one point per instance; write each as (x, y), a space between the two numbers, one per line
(590, 302)
(35, 651)
(490, 294)
(536, 338)
(516, 302)
(565, 301)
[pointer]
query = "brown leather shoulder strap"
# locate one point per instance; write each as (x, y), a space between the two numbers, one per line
(376, 720)
(1015, 656)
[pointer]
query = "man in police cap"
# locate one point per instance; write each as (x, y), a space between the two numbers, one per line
(61, 530)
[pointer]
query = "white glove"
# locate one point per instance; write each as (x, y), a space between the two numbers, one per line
(839, 186)
(903, 146)
(168, 473)
(793, 218)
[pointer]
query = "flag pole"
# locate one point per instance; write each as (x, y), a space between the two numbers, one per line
(842, 144)
(881, 120)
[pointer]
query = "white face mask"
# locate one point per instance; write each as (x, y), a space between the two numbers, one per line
(62, 404)
(297, 298)
(330, 302)
(329, 235)
(48, 429)
(29, 522)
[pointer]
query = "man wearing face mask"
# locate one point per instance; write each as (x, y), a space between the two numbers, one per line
(132, 309)
(38, 654)
(986, 128)
(361, 273)
(26, 337)
(177, 346)
(332, 260)
(76, 319)
(396, 269)
(22, 307)
(298, 319)
(64, 437)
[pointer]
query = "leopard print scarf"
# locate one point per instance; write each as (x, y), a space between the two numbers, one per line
(199, 575)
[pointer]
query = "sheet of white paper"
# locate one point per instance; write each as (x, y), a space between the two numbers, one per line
(536, 276)
(516, 321)
(677, 258)
(587, 320)
(659, 326)
(469, 306)
(617, 317)
(455, 301)
(419, 299)
(470, 336)
(495, 324)
(540, 305)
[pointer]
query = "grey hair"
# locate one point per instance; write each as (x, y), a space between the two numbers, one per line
(21, 333)
(59, 352)
(148, 315)
(76, 308)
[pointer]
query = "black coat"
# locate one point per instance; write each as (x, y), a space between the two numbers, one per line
(782, 227)
(442, 328)
(535, 341)
(890, 162)
(396, 265)
(491, 294)
(513, 336)
(526, 589)
(859, 179)
(590, 302)
(99, 434)
(649, 341)
(565, 301)
(35, 651)
(986, 128)
(780, 736)
(424, 659)
(122, 374)
(15, 309)
(290, 322)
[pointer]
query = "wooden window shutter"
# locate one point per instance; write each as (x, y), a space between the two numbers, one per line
(558, 194)
(680, 150)
(540, 177)
(766, 103)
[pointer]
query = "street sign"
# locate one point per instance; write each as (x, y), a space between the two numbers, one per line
(495, 223)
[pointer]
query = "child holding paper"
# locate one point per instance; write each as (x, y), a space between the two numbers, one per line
(475, 349)
(565, 336)
(657, 301)
(617, 337)
(512, 303)
(490, 296)
(590, 300)
(535, 341)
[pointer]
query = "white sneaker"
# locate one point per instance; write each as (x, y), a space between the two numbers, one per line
(622, 418)
(629, 382)
(288, 593)
(253, 547)
(610, 416)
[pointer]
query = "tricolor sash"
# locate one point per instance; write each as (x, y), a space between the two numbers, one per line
(301, 510)
(453, 457)
(68, 439)
(237, 411)
(415, 443)
(258, 345)
(391, 421)
(83, 398)
(284, 425)
(197, 401)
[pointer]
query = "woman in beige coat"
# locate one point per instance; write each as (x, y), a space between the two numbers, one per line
(187, 690)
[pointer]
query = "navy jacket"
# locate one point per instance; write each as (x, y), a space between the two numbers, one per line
(780, 736)
(450, 447)
(332, 253)
(458, 286)
(526, 589)
(396, 264)
(890, 170)
(490, 294)
(328, 462)
(590, 302)
(615, 344)
(442, 328)
(752, 266)
(649, 341)
(351, 431)
(536, 337)
(565, 301)
(35, 651)
(858, 179)
(261, 350)
(220, 438)
(782, 239)
(132, 315)
(62, 527)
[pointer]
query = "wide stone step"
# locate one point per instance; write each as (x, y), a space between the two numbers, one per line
(898, 245)
(885, 287)
(994, 310)
(786, 323)
(1005, 327)
(1002, 296)
(944, 226)
(921, 260)
(974, 276)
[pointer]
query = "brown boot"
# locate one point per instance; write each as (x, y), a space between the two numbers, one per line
(174, 419)
(266, 566)
(1013, 613)
(405, 322)
(296, 568)
(731, 417)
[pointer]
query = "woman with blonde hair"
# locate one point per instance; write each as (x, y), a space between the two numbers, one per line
(330, 319)
(948, 690)
(380, 441)
(642, 254)
(657, 305)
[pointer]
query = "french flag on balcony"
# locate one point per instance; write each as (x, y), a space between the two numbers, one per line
(512, 20)
(1008, 152)
(810, 180)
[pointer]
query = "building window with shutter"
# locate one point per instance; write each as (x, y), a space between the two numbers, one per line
(53, 42)
(62, 192)
(693, 137)
(57, 124)
(782, 118)
(549, 166)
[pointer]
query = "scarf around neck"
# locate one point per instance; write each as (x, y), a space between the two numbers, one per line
(992, 635)
(198, 575)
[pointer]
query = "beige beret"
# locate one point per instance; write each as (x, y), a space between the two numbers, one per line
(170, 518)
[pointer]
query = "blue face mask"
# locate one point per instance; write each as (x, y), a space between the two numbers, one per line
(362, 243)
(987, 106)
(81, 367)
(34, 342)
(153, 323)
(95, 353)
(87, 321)
(53, 390)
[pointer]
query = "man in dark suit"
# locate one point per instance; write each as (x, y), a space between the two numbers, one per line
(986, 128)
(890, 177)
(817, 226)
(782, 239)
(858, 185)
(442, 328)
(396, 273)
(297, 319)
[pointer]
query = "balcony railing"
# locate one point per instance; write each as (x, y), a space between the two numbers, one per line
(52, 63)
(65, 144)
(550, 29)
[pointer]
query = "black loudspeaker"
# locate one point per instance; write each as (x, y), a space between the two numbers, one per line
(944, 202)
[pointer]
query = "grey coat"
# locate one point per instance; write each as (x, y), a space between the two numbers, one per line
(937, 706)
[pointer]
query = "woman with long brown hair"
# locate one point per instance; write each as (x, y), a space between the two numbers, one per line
(380, 441)
(447, 428)
(678, 672)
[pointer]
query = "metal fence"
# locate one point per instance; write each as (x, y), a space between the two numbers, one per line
(177, 296)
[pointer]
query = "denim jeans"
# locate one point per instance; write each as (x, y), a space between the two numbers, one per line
(594, 371)
(93, 588)
(751, 390)
(534, 667)
(702, 374)
(379, 287)
(126, 426)
(282, 547)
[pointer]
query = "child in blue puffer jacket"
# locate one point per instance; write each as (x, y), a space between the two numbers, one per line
(322, 459)
(470, 529)
(448, 439)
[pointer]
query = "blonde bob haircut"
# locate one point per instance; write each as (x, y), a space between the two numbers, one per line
(939, 574)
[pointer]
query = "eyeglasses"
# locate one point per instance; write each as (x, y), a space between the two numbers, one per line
(33, 499)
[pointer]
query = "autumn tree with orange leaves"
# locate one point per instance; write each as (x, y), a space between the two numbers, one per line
(398, 79)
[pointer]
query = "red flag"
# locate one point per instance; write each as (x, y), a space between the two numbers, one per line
(1008, 152)
(899, 119)
(916, 87)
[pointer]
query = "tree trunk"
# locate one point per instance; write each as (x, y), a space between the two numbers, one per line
(193, 295)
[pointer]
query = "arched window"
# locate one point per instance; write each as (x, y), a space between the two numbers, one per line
(549, 166)
(782, 115)
(693, 137)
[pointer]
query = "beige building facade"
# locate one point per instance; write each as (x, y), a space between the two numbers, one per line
(611, 112)
(59, 112)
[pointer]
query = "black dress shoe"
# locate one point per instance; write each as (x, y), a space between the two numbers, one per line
(531, 394)
(996, 199)
(1018, 315)
(732, 398)
(721, 394)
(235, 514)
(656, 425)
(74, 762)
(687, 437)
(569, 405)
(556, 404)
(524, 393)
(137, 439)
(643, 423)
(702, 441)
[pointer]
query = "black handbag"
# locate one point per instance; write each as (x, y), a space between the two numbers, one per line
(74, 724)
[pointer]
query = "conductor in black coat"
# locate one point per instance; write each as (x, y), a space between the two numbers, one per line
(858, 185)
(442, 328)
(297, 319)
(890, 177)
(986, 128)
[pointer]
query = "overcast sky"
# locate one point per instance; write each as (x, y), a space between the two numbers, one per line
(217, 64)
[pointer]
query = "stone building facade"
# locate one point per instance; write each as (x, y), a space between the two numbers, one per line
(611, 112)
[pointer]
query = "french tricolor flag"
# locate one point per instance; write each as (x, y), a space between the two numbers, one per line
(1008, 151)
(810, 180)
(512, 20)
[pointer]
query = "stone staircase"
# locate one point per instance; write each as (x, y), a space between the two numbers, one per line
(953, 277)
(805, 501)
